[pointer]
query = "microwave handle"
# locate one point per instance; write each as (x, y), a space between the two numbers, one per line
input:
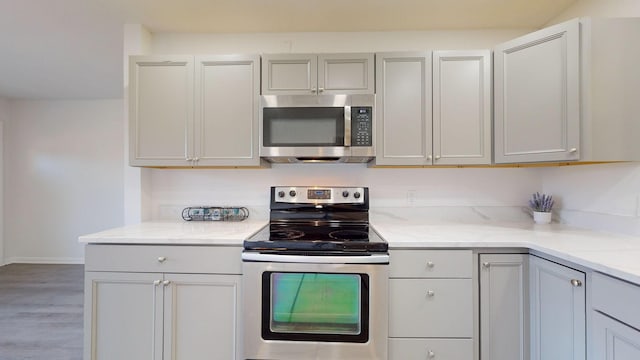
(347, 125)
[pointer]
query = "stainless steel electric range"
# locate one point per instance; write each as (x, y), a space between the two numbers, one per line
(315, 280)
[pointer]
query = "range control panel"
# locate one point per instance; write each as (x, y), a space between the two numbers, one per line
(319, 195)
(361, 125)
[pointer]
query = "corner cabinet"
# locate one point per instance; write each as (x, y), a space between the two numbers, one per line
(194, 111)
(311, 74)
(135, 310)
(431, 305)
(444, 121)
(615, 318)
(504, 306)
(565, 93)
(558, 305)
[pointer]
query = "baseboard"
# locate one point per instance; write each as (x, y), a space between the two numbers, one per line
(43, 260)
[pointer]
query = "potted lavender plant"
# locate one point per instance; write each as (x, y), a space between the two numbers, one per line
(541, 205)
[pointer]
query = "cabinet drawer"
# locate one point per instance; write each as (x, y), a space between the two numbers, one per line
(427, 349)
(430, 308)
(154, 258)
(616, 298)
(430, 264)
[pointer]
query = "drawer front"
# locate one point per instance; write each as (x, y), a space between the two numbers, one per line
(430, 264)
(154, 258)
(430, 308)
(616, 298)
(430, 349)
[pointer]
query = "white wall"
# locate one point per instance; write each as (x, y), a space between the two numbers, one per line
(175, 43)
(63, 176)
(600, 8)
(172, 190)
(602, 197)
(3, 119)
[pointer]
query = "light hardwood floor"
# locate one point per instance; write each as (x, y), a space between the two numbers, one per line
(41, 309)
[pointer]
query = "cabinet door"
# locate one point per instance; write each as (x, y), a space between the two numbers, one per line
(123, 316)
(201, 317)
(227, 103)
(403, 109)
(428, 349)
(557, 311)
(613, 340)
(461, 107)
(503, 307)
(345, 74)
(289, 74)
(160, 110)
(430, 308)
(537, 96)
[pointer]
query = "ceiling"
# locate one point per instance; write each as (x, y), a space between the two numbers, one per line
(72, 49)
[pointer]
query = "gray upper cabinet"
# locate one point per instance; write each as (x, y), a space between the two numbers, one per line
(403, 109)
(558, 304)
(537, 99)
(446, 121)
(565, 93)
(308, 74)
(461, 107)
(161, 116)
(194, 111)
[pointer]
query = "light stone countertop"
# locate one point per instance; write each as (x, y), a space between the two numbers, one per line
(612, 254)
(216, 233)
(410, 228)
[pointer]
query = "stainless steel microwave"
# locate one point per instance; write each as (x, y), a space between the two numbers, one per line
(317, 128)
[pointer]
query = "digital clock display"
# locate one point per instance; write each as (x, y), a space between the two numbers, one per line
(319, 194)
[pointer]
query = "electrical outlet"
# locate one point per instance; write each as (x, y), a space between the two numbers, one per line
(411, 197)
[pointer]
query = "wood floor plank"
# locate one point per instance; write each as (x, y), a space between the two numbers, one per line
(41, 309)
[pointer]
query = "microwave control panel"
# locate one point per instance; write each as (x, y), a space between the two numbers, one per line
(361, 126)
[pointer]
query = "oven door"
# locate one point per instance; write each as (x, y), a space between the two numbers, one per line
(315, 307)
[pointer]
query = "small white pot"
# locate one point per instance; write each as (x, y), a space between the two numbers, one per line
(542, 217)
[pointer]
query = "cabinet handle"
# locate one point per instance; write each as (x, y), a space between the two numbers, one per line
(313, 90)
(573, 150)
(431, 354)
(156, 282)
(188, 159)
(576, 282)
(431, 293)
(429, 157)
(320, 89)
(162, 259)
(486, 265)
(437, 157)
(430, 264)
(196, 159)
(166, 282)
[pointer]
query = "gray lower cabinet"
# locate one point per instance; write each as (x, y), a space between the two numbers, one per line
(615, 329)
(431, 305)
(158, 315)
(558, 303)
(613, 340)
(504, 307)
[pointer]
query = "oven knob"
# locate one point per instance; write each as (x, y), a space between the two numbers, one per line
(356, 195)
(345, 194)
(292, 193)
(281, 194)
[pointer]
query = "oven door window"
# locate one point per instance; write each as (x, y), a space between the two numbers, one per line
(308, 126)
(315, 307)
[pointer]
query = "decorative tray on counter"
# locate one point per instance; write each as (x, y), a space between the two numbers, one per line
(214, 213)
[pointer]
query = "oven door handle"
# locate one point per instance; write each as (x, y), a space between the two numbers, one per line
(304, 259)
